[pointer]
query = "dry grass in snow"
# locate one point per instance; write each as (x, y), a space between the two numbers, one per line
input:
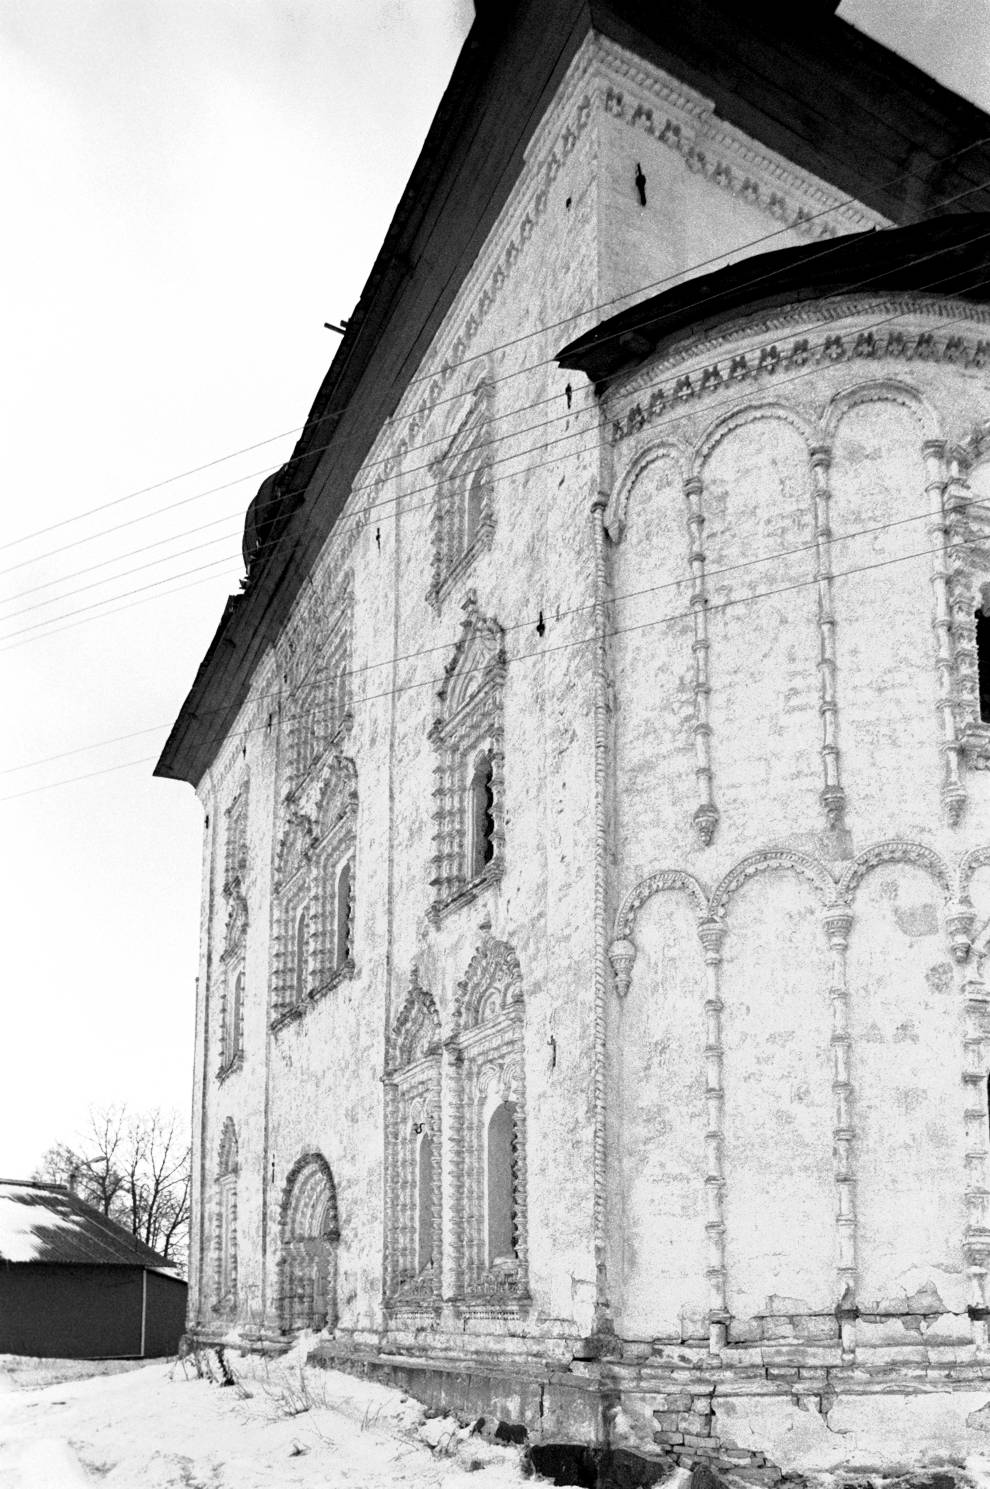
(283, 1424)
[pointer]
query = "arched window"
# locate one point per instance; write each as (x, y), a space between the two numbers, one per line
(424, 1203)
(301, 953)
(343, 947)
(482, 801)
(501, 1184)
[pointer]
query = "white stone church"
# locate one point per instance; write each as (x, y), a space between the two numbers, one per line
(594, 996)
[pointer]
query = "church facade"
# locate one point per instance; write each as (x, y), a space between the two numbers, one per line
(593, 1019)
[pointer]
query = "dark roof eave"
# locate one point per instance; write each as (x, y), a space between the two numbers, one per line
(949, 257)
(506, 72)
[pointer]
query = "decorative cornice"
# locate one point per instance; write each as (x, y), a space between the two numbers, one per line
(677, 116)
(667, 391)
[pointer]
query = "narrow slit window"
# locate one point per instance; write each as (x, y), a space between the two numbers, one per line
(983, 663)
(472, 510)
(344, 914)
(424, 1206)
(232, 1032)
(482, 800)
(501, 1185)
(302, 951)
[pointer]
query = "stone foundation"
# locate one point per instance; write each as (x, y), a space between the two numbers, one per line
(758, 1414)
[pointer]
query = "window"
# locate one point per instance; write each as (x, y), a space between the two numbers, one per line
(983, 663)
(424, 1203)
(317, 678)
(300, 967)
(412, 1153)
(233, 1015)
(342, 917)
(314, 903)
(290, 906)
(463, 508)
(468, 822)
(501, 1184)
(482, 799)
(235, 845)
(489, 1166)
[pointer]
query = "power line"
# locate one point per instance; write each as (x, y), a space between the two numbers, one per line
(129, 553)
(710, 575)
(538, 652)
(509, 475)
(495, 439)
(654, 285)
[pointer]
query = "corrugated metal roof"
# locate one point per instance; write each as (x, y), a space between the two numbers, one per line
(45, 1223)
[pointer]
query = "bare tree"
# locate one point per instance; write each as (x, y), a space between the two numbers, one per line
(133, 1167)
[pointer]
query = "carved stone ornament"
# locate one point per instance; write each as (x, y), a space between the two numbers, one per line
(622, 955)
(413, 1275)
(487, 1069)
(463, 524)
(469, 729)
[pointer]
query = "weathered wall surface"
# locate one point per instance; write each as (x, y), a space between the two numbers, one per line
(795, 1091)
(833, 724)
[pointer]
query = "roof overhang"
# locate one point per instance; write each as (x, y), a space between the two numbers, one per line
(948, 257)
(812, 88)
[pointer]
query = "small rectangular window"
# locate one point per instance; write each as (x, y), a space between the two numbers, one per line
(983, 663)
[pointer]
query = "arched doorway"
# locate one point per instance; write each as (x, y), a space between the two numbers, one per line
(310, 1232)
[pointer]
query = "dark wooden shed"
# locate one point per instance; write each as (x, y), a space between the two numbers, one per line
(75, 1285)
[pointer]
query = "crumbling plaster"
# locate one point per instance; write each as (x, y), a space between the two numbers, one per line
(785, 1032)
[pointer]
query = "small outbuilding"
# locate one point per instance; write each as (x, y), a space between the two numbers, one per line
(76, 1285)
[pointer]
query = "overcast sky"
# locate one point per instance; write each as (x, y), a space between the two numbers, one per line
(190, 188)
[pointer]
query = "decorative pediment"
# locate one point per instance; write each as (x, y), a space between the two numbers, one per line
(416, 1031)
(491, 986)
(293, 849)
(479, 658)
(338, 797)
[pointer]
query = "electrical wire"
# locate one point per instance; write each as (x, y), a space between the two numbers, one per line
(710, 575)
(541, 651)
(690, 271)
(510, 475)
(494, 440)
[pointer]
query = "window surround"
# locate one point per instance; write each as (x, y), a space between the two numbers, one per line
(313, 856)
(463, 524)
(488, 1050)
(318, 703)
(469, 727)
(412, 1112)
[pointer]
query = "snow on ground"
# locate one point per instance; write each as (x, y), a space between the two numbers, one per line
(283, 1425)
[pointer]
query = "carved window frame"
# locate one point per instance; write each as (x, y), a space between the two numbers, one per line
(236, 843)
(225, 1224)
(231, 1033)
(413, 1108)
(291, 886)
(232, 958)
(489, 1057)
(310, 858)
(335, 847)
(319, 704)
(463, 468)
(967, 523)
(470, 723)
